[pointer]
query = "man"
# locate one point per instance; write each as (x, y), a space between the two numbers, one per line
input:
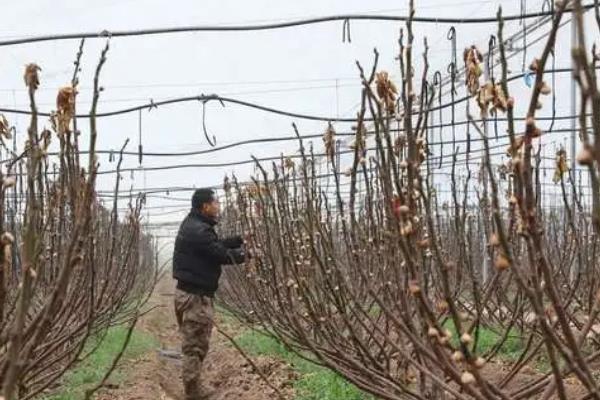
(197, 261)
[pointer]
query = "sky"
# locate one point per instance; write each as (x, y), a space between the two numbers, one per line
(304, 70)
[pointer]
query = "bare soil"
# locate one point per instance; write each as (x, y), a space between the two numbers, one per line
(156, 375)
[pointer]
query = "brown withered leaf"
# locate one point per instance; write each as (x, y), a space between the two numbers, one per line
(329, 140)
(500, 102)
(472, 58)
(513, 149)
(65, 100)
(386, 91)
(31, 76)
(562, 166)
(46, 136)
(289, 163)
(65, 105)
(491, 98)
(5, 129)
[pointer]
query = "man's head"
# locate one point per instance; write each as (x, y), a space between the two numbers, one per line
(205, 201)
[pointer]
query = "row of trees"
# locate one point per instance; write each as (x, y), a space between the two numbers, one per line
(70, 266)
(384, 283)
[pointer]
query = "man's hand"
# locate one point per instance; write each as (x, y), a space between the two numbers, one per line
(233, 242)
(237, 255)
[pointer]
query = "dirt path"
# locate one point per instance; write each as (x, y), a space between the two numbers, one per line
(157, 375)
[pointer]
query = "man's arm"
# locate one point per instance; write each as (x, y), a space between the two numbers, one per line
(209, 244)
(233, 242)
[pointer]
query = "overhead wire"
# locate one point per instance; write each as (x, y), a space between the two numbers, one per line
(269, 139)
(208, 98)
(214, 97)
(275, 26)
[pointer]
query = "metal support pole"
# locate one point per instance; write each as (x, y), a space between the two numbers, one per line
(574, 271)
(486, 265)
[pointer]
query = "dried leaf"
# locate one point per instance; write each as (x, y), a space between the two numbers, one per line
(31, 76)
(65, 106)
(562, 166)
(329, 140)
(289, 163)
(514, 148)
(473, 70)
(5, 129)
(494, 96)
(386, 90)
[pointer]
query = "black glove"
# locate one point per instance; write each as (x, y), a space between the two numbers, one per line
(233, 242)
(237, 256)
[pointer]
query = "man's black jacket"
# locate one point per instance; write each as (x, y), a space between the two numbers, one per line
(199, 254)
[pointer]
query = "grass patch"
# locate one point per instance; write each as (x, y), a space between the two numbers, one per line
(315, 382)
(488, 338)
(91, 371)
(511, 349)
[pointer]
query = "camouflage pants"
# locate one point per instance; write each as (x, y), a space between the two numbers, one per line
(195, 319)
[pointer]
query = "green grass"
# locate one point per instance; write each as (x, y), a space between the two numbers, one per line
(488, 338)
(511, 349)
(91, 371)
(315, 382)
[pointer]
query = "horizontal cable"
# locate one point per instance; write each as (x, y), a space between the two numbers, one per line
(274, 26)
(312, 136)
(459, 162)
(213, 97)
(297, 156)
